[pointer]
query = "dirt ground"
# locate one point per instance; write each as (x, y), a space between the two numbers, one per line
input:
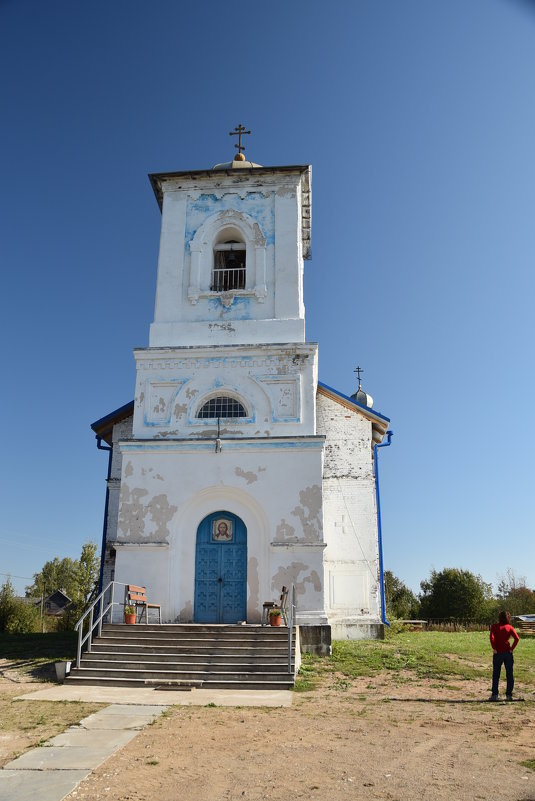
(388, 738)
(392, 737)
(25, 724)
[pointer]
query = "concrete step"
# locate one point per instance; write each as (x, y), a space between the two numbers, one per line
(179, 667)
(207, 684)
(251, 658)
(197, 647)
(196, 630)
(139, 632)
(165, 675)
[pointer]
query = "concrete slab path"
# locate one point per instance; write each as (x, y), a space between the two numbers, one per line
(46, 785)
(53, 771)
(149, 695)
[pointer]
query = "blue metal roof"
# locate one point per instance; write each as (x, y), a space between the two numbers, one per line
(103, 428)
(353, 402)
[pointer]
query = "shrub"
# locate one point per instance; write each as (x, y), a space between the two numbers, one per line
(7, 603)
(16, 616)
(24, 619)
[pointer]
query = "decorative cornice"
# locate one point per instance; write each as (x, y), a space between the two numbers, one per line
(248, 444)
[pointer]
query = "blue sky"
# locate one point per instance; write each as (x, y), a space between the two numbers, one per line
(419, 121)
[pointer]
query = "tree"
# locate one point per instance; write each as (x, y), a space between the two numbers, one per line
(78, 578)
(457, 595)
(401, 602)
(87, 570)
(7, 603)
(514, 596)
(58, 574)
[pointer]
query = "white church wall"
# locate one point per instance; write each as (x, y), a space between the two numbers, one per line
(146, 566)
(168, 488)
(266, 211)
(276, 384)
(350, 515)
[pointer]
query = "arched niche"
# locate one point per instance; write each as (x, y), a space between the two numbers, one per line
(216, 234)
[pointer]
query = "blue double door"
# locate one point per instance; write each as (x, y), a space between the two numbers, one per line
(221, 569)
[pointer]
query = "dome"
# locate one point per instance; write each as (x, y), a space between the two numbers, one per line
(235, 165)
(363, 398)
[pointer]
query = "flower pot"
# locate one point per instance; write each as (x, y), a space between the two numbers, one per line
(130, 619)
(62, 670)
(274, 620)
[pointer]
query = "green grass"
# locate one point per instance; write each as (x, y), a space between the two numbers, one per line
(56, 645)
(35, 654)
(434, 655)
(528, 763)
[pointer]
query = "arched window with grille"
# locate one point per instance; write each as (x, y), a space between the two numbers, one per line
(229, 266)
(222, 406)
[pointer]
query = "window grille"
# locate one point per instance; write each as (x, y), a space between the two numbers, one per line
(229, 267)
(223, 406)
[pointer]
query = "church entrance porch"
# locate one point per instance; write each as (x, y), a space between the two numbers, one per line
(221, 569)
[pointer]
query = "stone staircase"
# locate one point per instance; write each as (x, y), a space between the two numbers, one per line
(188, 655)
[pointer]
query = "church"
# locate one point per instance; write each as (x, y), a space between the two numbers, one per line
(235, 471)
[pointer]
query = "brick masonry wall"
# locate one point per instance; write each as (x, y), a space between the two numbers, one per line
(350, 514)
(122, 430)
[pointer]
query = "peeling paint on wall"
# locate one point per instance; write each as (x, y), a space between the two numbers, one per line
(249, 476)
(258, 205)
(180, 409)
(309, 512)
(286, 576)
(132, 512)
(186, 613)
(129, 470)
(161, 512)
(285, 532)
(253, 582)
(133, 515)
(221, 327)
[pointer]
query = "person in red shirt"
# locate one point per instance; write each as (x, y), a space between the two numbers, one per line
(500, 636)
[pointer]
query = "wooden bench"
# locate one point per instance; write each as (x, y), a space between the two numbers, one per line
(267, 606)
(137, 596)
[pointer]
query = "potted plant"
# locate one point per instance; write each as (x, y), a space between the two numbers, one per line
(129, 614)
(275, 617)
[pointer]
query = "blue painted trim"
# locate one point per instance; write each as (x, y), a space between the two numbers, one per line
(208, 445)
(106, 507)
(354, 402)
(389, 435)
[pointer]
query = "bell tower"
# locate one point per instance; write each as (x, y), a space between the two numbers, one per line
(233, 241)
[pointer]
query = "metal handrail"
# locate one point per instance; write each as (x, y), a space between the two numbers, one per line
(291, 622)
(92, 622)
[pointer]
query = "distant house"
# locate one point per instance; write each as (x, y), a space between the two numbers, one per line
(525, 623)
(55, 604)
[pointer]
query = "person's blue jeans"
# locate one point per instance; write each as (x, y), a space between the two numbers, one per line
(497, 661)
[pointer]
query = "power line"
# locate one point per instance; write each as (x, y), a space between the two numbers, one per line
(12, 575)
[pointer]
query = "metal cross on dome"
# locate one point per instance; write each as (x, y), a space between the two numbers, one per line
(358, 371)
(239, 131)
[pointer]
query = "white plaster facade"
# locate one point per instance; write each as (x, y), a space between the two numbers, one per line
(296, 468)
